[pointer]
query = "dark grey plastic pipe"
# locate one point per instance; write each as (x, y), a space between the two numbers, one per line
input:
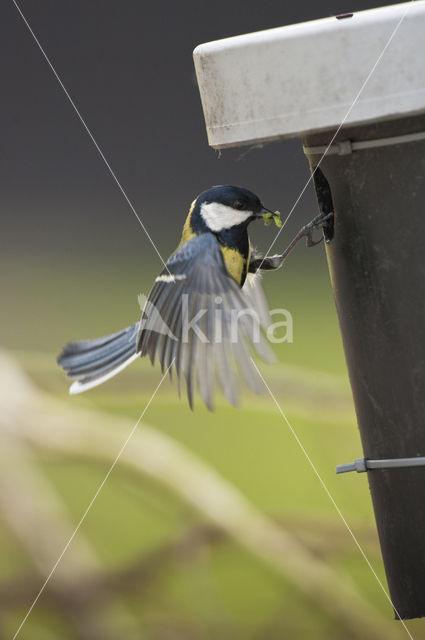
(377, 264)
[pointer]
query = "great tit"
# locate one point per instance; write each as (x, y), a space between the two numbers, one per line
(205, 308)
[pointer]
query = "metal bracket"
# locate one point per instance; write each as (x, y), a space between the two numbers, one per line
(364, 464)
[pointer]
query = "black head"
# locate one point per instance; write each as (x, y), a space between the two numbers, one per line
(226, 206)
(233, 197)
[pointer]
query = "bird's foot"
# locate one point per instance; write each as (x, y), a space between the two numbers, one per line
(318, 222)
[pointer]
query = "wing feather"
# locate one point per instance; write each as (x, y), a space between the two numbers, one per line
(202, 287)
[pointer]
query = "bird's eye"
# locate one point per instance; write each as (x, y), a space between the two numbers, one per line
(238, 204)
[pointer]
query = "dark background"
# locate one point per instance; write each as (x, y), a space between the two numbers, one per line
(128, 67)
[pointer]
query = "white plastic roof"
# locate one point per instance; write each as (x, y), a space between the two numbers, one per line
(302, 78)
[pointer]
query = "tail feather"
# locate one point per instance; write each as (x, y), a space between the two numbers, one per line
(91, 362)
(81, 346)
(100, 366)
(88, 360)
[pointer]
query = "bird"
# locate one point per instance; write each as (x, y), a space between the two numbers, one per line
(206, 311)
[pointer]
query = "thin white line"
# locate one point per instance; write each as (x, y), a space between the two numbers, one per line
(322, 482)
(371, 72)
(102, 155)
(83, 517)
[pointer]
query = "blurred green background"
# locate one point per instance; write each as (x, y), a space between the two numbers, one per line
(73, 260)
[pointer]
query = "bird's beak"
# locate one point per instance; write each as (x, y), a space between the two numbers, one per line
(265, 210)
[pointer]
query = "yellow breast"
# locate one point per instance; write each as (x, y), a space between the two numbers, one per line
(236, 264)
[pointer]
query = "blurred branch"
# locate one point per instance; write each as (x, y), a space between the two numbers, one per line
(35, 514)
(101, 586)
(138, 576)
(50, 425)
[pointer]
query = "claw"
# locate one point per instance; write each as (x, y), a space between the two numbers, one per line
(311, 242)
(274, 262)
(318, 222)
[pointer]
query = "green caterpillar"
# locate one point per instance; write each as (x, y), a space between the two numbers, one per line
(268, 217)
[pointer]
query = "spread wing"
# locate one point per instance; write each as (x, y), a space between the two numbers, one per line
(198, 321)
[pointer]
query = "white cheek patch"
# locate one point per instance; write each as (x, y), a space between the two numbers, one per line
(219, 216)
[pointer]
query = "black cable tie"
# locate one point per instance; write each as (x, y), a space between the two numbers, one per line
(364, 464)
